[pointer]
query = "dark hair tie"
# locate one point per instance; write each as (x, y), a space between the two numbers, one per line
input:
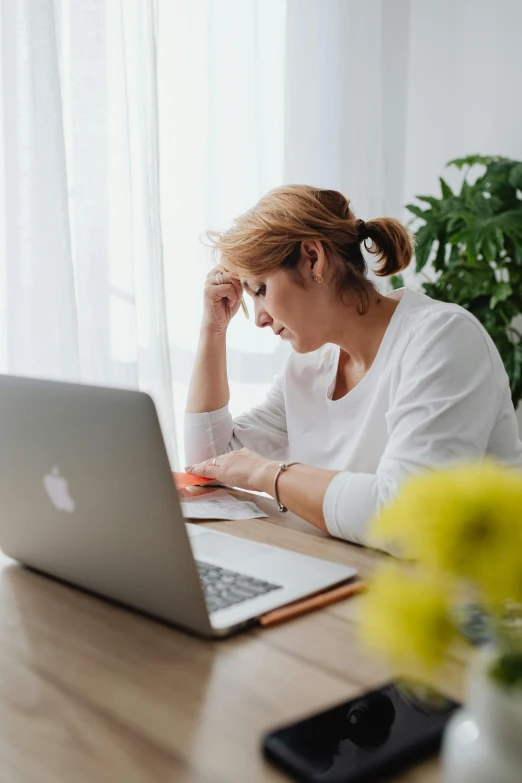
(362, 231)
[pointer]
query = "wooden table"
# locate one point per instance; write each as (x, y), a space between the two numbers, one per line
(91, 692)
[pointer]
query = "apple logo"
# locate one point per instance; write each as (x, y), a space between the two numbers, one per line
(57, 489)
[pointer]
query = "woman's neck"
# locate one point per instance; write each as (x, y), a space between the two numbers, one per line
(359, 336)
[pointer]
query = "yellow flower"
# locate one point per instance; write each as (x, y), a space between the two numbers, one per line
(465, 520)
(407, 616)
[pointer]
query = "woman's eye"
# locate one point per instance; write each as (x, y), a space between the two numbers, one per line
(261, 291)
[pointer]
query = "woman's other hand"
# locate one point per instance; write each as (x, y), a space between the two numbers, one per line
(243, 468)
(222, 300)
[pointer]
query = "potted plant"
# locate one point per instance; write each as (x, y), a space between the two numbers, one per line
(460, 532)
(469, 250)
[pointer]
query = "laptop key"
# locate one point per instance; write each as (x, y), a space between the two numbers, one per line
(224, 588)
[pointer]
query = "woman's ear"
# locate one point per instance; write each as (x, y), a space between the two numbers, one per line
(312, 257)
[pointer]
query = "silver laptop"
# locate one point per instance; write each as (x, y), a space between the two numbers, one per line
(87, 495)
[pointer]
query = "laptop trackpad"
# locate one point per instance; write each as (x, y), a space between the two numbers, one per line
(225, 549)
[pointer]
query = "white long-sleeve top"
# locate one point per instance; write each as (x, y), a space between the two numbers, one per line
(436, 392)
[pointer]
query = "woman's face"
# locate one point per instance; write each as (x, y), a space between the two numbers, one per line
(299, 311)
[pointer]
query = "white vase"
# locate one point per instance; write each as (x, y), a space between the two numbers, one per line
(483, 742)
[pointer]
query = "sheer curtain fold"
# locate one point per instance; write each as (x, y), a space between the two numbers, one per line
(221, 109)
(130, 127)
(36, 262)
(82, 259)
(333, 102)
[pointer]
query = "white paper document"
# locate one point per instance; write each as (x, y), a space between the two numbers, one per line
(220, 505)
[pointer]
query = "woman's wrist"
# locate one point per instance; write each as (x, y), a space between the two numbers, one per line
(264, 480)
(209, 333)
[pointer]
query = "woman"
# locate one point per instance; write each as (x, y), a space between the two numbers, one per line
(377, 387)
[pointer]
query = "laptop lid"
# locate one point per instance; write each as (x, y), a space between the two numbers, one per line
(86, 495)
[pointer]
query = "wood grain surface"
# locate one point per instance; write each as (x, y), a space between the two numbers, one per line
(91, 692)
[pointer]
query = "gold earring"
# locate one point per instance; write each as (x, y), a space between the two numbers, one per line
(317, 278)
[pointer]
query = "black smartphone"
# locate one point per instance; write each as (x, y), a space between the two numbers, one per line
(365, 739)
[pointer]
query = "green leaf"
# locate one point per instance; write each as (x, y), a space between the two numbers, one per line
(441, 253)
(421, 213)
(517, 252)
(397, 281)
(511, 220)
(460, 236)
(425, 239)
(470, 253)
(434, 202)
(502, 291)
(471, 160)
(454, 256)
(445, 188)
(455, 221)
(489, 249)
(515, 177)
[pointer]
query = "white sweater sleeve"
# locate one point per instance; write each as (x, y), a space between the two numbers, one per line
(446, 401)
(262, 429)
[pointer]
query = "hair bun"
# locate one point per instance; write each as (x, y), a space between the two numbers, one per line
(362, 231)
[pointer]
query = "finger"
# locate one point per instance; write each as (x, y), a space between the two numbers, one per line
(213, 272)
(204, 469)
(220, 289)
(222, 275)
(217, 276)
(224, 291)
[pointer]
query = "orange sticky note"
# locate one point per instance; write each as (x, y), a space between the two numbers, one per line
(183, 480)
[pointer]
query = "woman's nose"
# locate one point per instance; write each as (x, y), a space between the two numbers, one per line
(262, 317)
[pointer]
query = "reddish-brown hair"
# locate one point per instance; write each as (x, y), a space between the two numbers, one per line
(268, 237)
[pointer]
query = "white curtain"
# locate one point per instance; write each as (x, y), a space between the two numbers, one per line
(129, 127)
(221, 96)
(81, 259)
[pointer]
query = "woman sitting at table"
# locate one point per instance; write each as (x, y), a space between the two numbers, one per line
(377, 386)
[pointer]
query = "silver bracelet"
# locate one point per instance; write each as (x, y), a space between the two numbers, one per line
(282, 467)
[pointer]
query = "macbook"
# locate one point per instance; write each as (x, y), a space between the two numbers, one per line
(87, 496)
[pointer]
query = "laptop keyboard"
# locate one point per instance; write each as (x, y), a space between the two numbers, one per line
(225, 588)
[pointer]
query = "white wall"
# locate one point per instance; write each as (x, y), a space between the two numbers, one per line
(464, 85)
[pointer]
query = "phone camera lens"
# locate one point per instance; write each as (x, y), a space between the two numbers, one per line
(358, 716)
(370, 720)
